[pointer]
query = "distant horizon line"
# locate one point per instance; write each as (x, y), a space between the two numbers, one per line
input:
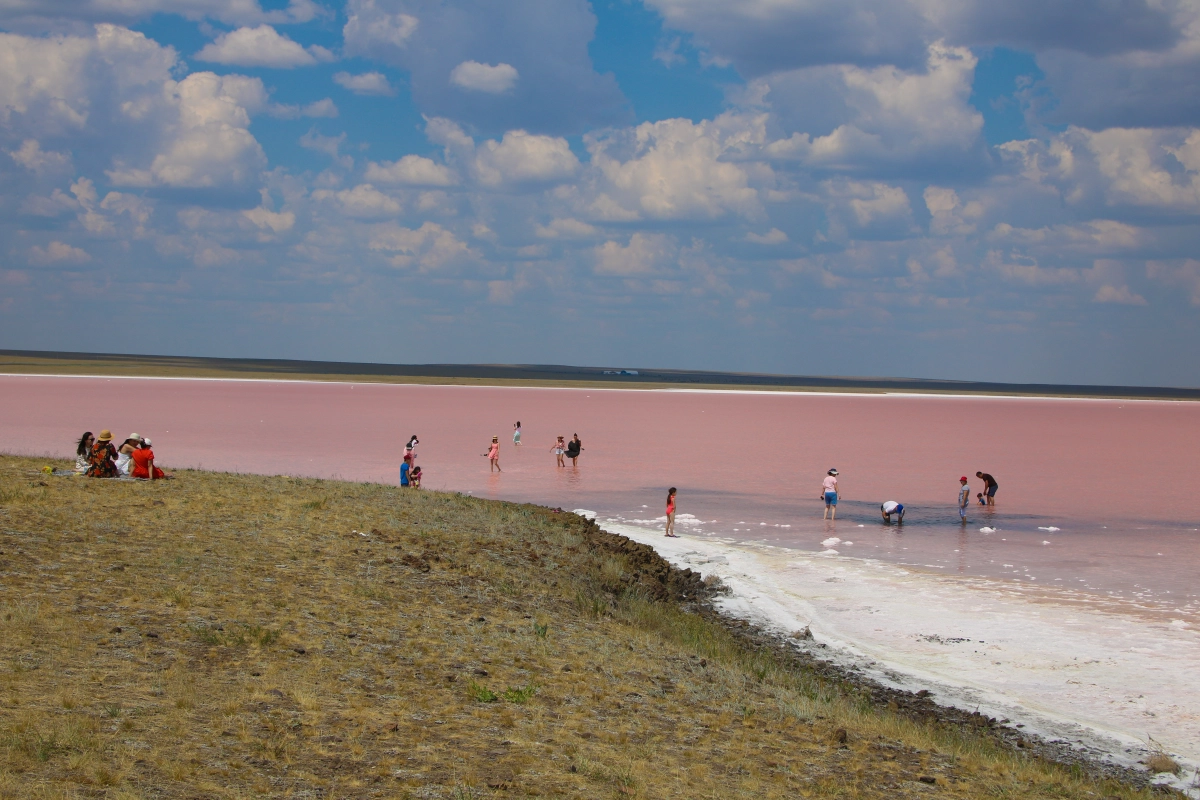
(616, 376)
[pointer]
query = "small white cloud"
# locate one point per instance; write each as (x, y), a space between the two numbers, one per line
(668, 53)
(428, 248)
(645, 254)
(322, 53)
(773, 236)
(368, 83)
(31, 156)
(522, 157)
(484, 77)
(328, 145)
(58, 253)
(367, 27)
(411, 170)
(364, 201)
(268, 220)
(566, 228)
(320, 108)
(1121, 296)
(258, 47)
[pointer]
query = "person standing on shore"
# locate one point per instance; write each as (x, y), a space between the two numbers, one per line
(493, 455)
(574, 448)
(964, 497)
(829, 488)
(892, 507)
(989, 487)
(559, 448)
(517, 433)
(405, 472)
(671, 513)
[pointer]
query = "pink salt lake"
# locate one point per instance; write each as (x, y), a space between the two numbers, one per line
(1117, 478)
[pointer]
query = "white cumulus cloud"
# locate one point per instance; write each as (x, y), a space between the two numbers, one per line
(411, 170)
(58, 253)
(363, 201)
(368, 83)
(261, 46)
(522, 157)
(490, 78)
(645, 254)
(677, 169)
(428, 248)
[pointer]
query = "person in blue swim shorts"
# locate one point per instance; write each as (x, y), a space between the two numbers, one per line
(829, 488)
(889, 508)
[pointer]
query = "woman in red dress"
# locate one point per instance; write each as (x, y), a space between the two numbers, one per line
(143, 464)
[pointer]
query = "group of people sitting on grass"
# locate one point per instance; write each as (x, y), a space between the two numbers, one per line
(100, 457)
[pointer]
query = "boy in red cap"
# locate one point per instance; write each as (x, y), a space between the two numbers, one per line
(964, 497)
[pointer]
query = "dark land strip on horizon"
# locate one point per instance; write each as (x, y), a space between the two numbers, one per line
(34, 362)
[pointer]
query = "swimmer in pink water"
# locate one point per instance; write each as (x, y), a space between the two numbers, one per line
(493, 455)
(671, 513)
(560, 447)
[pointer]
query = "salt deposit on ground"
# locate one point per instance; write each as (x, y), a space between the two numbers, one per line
(1098, 680)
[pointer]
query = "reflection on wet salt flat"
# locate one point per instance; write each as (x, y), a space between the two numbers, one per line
(1090, 553)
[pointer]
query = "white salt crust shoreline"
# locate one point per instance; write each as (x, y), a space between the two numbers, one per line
(784, 391)
(1106, 684)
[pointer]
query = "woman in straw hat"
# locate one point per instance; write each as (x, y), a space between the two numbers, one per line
(125, 451)
(101, 460)
(493, 455)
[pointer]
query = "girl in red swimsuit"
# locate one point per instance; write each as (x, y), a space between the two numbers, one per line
(671, 513)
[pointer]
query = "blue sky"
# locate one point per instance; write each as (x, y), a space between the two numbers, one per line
(877, 187)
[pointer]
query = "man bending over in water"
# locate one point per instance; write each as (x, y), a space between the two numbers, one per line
(989, 487)
(889, 508)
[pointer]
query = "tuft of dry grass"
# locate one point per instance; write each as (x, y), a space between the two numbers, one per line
(235, 636)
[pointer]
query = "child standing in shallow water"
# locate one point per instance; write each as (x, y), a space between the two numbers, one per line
(671, 513)
(493, 455)
(559, 448)
(517, 433)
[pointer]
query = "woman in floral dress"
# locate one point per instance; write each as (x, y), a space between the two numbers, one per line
(101, 459)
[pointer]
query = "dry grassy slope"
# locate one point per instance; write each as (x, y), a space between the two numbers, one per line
(239, 636)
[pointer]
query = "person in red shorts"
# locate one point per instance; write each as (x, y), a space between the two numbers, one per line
(143, 464)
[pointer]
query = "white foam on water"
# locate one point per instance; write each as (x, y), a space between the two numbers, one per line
(831, 541)
(1051, 528)
(1069, 671)
(986, 529)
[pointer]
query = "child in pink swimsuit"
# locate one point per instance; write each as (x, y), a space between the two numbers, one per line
(493, 455)
(671, 513)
